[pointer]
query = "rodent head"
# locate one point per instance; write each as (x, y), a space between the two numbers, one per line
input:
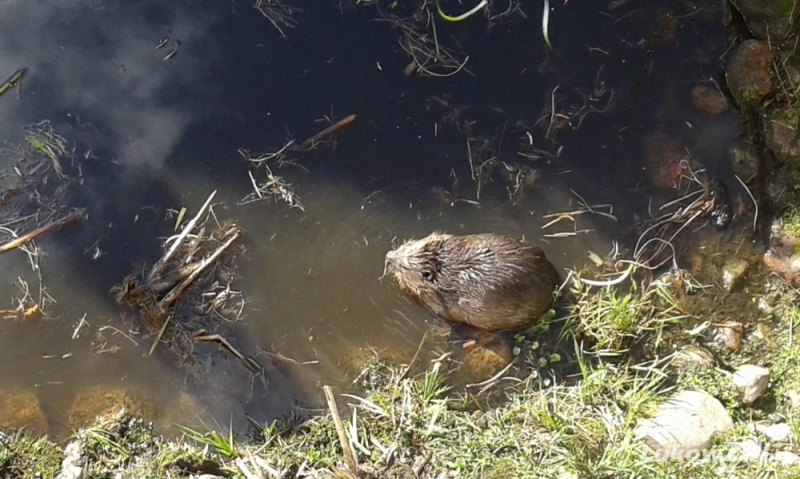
(415, 265)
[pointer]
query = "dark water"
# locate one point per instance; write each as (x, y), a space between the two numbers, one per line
(164, 134)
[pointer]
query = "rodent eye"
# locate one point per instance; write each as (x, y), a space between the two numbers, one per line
(427, 276)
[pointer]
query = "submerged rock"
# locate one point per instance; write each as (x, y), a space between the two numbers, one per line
(684, 424)
(733, 274)
(709, 100)
(664, 159)
(749, 73)
(491, 354)
(21, 410)
(98, 401)
(751, 381)
(773, 18)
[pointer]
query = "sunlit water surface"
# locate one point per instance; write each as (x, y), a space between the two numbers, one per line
(164, 134)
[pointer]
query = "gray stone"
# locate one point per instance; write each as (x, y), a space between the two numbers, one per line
(684, 424)
(727, 335)
(776, 432)
(787, 458)
(694, 356)
(733, 274)
(751, 381)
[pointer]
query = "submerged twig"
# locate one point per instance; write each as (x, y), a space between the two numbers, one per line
(328, 131)
(39, 231)
(224, 342)
(12, 80)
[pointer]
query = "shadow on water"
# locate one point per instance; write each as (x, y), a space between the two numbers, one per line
(163, 134)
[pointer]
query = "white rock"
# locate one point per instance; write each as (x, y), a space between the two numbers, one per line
(787, 458)
(751, 381)
(684, 424)
(72, 464)
(749, 448)
(776, 432)
(794, 397)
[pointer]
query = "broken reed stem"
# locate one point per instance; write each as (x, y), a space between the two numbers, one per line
(328, 131)
(349, 457)
(186, 230)
(39, 231)
(176, 292)
(160, 335)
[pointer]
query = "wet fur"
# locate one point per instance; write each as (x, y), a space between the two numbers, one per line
(488, 281)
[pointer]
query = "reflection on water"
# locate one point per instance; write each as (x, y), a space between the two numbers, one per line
(163, 134)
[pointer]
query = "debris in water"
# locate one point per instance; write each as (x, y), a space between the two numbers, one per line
(12, 80)
(162, 298)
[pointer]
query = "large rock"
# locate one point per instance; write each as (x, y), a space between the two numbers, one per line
(773, 17)
(751, 381)
(748, 73)
(684, 424)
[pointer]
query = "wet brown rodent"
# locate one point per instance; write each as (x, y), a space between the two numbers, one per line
(487, 281)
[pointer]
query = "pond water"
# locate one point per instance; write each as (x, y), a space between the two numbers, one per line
(154, 135)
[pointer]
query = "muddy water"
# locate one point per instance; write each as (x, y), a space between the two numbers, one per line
(163, 134)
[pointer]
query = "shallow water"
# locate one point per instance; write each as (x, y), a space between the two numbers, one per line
(164, 134)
